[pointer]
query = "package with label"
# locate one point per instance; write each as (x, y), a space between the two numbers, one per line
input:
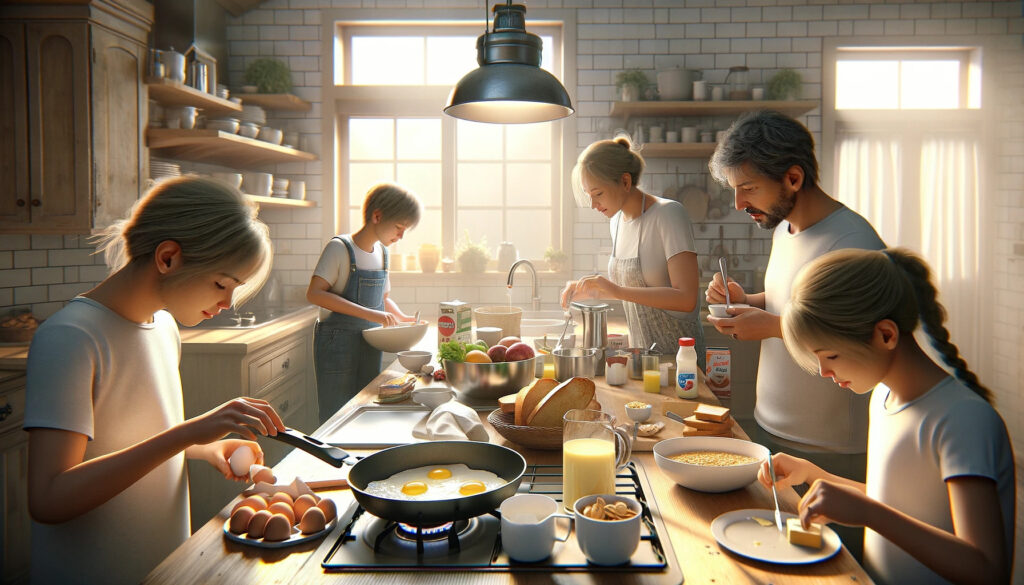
(454, 322)
(719, 376)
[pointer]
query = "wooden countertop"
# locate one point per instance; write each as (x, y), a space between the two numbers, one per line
(208, 557)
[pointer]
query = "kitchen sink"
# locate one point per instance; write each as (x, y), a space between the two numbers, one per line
(540, 323)
(248, 317)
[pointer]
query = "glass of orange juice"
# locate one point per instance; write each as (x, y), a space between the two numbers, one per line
(592, 452)
(652, 374)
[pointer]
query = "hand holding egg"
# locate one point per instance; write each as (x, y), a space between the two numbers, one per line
(241, 459)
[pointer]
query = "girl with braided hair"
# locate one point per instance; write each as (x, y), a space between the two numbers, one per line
(938, 502)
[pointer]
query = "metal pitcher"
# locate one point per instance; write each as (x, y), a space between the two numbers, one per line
(595, 330)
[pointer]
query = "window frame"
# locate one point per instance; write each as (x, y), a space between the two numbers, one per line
(340, 102)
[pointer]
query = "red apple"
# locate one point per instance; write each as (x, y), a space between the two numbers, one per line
(507, 341)
(518, 351)
(497, 353)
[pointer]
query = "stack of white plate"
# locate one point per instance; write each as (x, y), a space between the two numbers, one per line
(254, 114)
(159, 169)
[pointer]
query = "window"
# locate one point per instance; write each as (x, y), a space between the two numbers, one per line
(905, 133)
(490, 182)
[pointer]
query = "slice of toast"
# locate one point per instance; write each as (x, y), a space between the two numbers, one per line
(689, 431)
(529, 397)
(711, 413)
(707, 425)
(573, 393)
(507, 403)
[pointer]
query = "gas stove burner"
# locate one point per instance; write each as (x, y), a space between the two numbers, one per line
(424, 533)
(401, 539)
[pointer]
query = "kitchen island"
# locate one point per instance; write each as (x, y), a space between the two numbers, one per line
(208, 557)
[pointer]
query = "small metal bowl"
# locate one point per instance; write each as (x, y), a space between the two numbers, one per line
(575, 361)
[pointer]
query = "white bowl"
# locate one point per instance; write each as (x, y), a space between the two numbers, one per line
(271, 135)
(432, 396)
(258, 184)
(248, 129)
(233, 179)
(224, 125)
(719, 310)
(395, 338)
(639, 414)
(709, 478)
(413, 360)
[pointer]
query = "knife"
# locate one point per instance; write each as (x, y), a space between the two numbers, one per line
(775, 494)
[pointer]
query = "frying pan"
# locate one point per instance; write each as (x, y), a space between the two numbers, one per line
(502, 461)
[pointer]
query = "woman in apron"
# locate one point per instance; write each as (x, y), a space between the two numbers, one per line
(350, 283)
(653, 266)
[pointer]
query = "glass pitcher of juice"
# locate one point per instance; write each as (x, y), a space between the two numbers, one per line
(592, 452)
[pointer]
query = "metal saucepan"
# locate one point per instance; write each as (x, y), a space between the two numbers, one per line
(502, 461)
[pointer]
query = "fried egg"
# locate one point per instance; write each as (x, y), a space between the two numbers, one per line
(435, 482)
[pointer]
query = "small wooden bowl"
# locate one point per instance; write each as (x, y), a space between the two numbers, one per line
(546, 438)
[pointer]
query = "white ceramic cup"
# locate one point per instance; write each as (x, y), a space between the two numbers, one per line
(700, 90)
(257, 183)
(689, 134)
(528, 527)
(757, 93)
(717, 93)
(297, 190)
(607, 542)
(655, 134)
(489, 335)
(672, 136)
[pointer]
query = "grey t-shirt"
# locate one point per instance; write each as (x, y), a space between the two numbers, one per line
(791, 403)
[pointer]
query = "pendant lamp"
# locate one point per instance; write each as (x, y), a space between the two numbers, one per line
(509, 87)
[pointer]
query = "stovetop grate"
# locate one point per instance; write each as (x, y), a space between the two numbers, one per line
(354, 548)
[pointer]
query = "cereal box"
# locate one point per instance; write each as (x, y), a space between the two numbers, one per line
(454, 322)
(719, 376)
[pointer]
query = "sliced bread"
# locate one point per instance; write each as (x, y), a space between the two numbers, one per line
(707, 425)
(507, 403)
(711, 413)
(573, 393)
(529, 397)
(689, 431)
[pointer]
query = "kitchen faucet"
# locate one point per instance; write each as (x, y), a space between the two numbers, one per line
(533, 281)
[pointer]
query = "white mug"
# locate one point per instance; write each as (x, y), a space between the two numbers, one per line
(672, 136)
(655, 134)
(607, 542)
(700, 90)
(528, 527)
(489, 335)
(689, 134)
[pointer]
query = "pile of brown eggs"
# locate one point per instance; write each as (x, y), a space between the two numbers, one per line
(275, 518)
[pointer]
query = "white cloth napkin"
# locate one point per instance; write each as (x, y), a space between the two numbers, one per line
(451, 421)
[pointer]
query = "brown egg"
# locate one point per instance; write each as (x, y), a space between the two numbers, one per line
(282, 497)
(278, 528)
(303, 503)
(283, 508)
(240, 518)
(256, 502)
(327, 506)
(258, 524)
(313, 521)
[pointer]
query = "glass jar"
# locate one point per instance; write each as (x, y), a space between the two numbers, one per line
(738, 82)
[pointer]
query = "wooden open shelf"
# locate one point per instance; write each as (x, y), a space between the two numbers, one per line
(214, 146)
(175, 93)
(279, 201)
(276, 101)
(627, 110)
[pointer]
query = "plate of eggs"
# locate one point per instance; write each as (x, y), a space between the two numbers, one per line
(279, 520)
(435, 482)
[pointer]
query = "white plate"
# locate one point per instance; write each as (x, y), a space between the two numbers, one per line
(294, 539)
(741, 534)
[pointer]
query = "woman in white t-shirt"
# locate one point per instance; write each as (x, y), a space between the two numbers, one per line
(653, 265)
(108, 489)
(351, 285)
(938, 502)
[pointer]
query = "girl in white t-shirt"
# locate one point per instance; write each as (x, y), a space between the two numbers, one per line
(108, 490)
(938, 502)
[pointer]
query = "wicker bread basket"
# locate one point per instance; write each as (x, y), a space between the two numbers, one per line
(548, 438)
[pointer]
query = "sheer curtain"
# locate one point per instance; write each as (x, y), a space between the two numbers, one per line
(931, 207)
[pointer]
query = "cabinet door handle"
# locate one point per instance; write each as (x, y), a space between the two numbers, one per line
(21, 203)
(284, 406)
(287, 362)
(36, 203)
(6, 411)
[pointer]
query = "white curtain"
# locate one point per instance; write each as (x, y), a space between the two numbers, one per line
(932, 209)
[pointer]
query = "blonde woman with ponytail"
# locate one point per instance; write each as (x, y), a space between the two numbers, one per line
(938, 503)
(107, 483)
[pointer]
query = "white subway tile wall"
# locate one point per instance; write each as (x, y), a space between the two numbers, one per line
(43, 272)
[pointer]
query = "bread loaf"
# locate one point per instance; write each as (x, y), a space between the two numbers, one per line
(529, 397)
(573, 393)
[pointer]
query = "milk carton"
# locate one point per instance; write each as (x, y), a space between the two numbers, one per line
(454, 322)
(719, 375)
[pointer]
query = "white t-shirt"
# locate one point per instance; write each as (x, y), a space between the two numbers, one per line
(791, 403)
(333, 265)
(950, 431)
(663, 230)
(93, 372)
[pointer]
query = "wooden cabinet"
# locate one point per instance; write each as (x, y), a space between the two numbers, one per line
(654, 109)
(73, 113)
(279, 371)
(15, 523)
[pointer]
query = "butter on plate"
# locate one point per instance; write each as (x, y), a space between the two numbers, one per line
(796, 534)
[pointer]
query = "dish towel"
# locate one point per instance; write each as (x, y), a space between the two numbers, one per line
(451, 421)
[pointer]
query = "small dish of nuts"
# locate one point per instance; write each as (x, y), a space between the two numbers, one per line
(638, 411)
(601, 510)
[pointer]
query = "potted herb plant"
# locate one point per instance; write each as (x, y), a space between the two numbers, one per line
(557, 260)
(631, 83)
(472, 256)
(269, 76)
(784, 85)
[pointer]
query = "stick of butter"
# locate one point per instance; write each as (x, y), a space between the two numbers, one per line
(797, 535)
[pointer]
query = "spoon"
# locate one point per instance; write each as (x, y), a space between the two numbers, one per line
(568, 319)
(725, 280)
